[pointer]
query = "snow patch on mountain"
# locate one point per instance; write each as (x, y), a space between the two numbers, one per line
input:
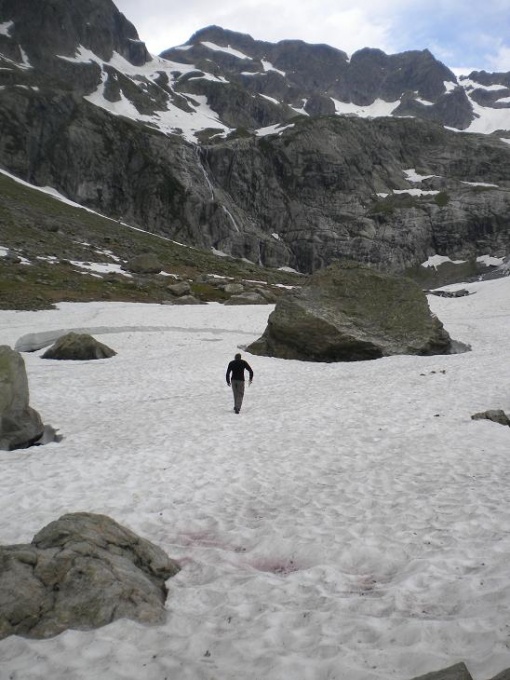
(6, 28)
(378, 109)
(267, 66)
(227, 50)
(488, 119)
(412, 176)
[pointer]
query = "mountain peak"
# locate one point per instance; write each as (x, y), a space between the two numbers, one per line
(220, 36)
(62, 27)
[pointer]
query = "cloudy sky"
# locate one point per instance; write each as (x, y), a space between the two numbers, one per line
(464, 38)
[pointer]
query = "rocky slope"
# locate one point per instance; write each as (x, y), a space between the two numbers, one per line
(285, 154)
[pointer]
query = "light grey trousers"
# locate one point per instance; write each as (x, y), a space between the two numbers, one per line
(238, 390)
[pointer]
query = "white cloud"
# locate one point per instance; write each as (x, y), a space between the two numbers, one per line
(334, 23)
(501, 60)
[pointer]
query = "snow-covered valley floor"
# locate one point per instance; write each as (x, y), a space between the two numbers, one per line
(351, 523)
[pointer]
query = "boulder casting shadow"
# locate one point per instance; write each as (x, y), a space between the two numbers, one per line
(349, 312)
(78, 347)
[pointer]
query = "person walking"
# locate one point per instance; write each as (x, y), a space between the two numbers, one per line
(235, 377)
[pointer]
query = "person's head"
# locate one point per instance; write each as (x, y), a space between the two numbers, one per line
(237, 356)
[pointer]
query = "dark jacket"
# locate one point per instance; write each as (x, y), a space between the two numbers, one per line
(236, 369)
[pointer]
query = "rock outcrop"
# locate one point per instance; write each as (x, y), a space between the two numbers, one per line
(20, 424)
(94, 25)
(458, 671)
(318, 77)
(350, 313)
(146, 263)
(82, 571)
(179, 289)
(78, 347)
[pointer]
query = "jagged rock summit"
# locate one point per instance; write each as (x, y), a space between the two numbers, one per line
(284, 154)
(319, 80)
(62, 29)
(348, 312)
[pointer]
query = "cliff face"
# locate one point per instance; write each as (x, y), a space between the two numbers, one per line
(242, 146)
(42, 31)
(349, 188)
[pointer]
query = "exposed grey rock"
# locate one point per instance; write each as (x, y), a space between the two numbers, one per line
(458, 671)
(20, 424)
(316, 74)
(187, 300)
(348, 312)
(496, 415)
(450, 293)
(247, 298)
(268, 295)
(97, 25)
(213, 280)
(488, 89)
(78, 347)
(319, 105)
(326, 187)
(82, 571)
(179, 289)
(147, 263)
(234, 288)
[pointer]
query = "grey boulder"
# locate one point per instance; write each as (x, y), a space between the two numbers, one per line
(247, 298)
(78, 347)
(82, 571)
(349, 312)
(20, 424)
(179, 289)
(188, 300)
(146, 263)
(234, 288)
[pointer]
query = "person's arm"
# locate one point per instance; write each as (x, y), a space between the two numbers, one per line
(229, 371)
(249, 369)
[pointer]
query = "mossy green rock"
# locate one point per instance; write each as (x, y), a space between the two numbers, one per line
(349, 312)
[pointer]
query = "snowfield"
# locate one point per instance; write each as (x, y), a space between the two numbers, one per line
(352, 522)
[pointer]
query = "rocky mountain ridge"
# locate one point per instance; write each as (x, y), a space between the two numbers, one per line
(319, 80)
(271, 152)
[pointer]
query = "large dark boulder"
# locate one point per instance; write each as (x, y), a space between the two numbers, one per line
(82, 571)
(78, 347)
(349, 312)
(20, 424)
